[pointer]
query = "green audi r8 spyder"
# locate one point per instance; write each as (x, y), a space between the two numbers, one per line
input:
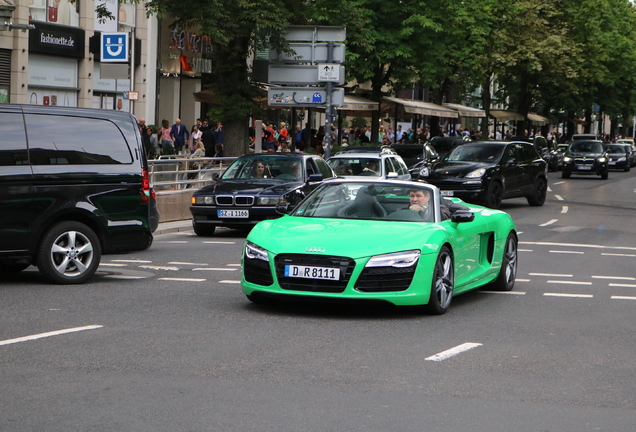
(379, 240)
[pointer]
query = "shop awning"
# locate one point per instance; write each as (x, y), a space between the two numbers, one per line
(206, 96)
(357, 103)
(419, 107)
(466, 111)
(538, 119)
(502, 116)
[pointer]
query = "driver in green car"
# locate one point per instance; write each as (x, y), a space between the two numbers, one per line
(419, 198)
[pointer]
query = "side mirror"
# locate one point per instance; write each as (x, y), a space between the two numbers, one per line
(463, 216)
(215, 176)
(313, 178)
(511, 162)
(392, 175)
(284, 208)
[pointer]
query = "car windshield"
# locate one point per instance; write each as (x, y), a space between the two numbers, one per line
(615, 148)
(586, 147)
(265, 168)
(356, 166)
(370, 201)
(476, 153)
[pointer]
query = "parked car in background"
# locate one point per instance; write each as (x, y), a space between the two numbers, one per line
(249, 190)
(488, 172)
(377, 248)
(619, 156)
(415, 154)
(627, 141)
(383, 164)
(443, 145)
(587, 158)
(69, 197)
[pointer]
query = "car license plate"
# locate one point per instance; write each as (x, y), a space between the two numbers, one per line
(584, 167)
(311, 272)
(612, 163)
(447, 193)
(233, 213)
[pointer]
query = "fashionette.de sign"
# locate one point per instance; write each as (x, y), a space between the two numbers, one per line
(57, 40)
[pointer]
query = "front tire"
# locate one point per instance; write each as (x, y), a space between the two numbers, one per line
(565, 174)
(538, 195)
(604, 175)
(69, 253)
(204, 230)
(508, 273)
(443, 284)
(494, 195)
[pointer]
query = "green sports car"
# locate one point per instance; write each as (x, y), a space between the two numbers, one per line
(379, 240)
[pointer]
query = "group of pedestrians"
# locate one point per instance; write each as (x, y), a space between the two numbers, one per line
(202, 140)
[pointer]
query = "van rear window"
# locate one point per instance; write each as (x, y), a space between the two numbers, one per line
(67, 140)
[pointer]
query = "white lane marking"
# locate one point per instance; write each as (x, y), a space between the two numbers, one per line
(558, 183)
(181, 279)
(522, 280)
(174, 241)
(111, 265)
(230, 281)
(558, 197)
(580, 245)
(49, 334)
(215, 269)
(550, 222)
(124, 277)
(550, 274)
(233, 265)
(614, 277)
(218, 242)
(623, 298)
(568, 295)
(564, 209)
(549, 189)
(504, 292)
(453, 351)
(622, 285)
(159, 267)
(524, 250)
(567, 252)
(569, 282)
(131, 261)
(620, 255)
(187, 263)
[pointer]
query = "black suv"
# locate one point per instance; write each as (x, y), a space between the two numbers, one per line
(74, 186)
(587, 157)
(487, 172)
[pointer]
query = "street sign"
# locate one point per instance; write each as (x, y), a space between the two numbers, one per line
(133, 95)
(303, 96)
(329, 72)
(114, 48)
(316, 34)
(309, 53)
(302, 74)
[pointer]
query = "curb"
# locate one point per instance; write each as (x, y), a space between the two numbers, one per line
(173, 226)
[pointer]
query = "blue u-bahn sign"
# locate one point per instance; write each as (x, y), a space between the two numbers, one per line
(114, 48)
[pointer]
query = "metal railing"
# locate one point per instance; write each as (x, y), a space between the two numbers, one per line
(171, 173)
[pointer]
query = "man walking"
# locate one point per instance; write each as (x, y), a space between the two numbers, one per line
(180, 135)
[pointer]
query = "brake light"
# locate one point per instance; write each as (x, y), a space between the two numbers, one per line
(145, 187)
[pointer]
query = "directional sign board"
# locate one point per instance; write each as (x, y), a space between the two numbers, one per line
(329, 72)
(303, 96)
(309, 53)
(303, 74)
(316, 34)
(114, 48)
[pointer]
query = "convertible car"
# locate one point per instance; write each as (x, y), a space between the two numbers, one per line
(379, 240)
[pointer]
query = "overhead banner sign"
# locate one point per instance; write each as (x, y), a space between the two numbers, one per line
(114, 48)
(303, 96)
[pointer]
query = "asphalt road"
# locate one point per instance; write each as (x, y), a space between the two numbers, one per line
(176, 346)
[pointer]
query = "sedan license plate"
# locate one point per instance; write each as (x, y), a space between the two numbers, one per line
(311, 272)
(584, 167)
(447, 193)
(233, 213)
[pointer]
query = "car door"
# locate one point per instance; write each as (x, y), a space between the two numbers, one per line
(512, 170)
(400, 168)
(16, 177)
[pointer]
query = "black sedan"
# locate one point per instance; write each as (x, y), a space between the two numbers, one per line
(249, 190)
(587, 158)
(619, 156)
(487, 172)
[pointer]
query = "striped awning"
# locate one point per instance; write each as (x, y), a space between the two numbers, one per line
(503, 116)
(357, 103)
(420, 107)
(466, 111)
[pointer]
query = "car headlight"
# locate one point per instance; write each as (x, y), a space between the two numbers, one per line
(255, 252)
(567, 159)
(399, 259)
(477, 173)
(207, 200)
(601, 160)
(268, 200)
(621, 159)
(424, 172)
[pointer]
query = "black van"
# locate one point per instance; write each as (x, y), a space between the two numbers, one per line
(73, 185)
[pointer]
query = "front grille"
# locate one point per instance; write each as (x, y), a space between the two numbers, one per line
(584, 161)
(244, 200)
(239, 200)
(346, 266)
(257, 272)
(385, 279)
(224, 199)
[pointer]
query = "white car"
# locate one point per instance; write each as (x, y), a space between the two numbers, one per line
(385, 164)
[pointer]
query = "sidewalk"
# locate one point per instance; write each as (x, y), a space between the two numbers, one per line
(173, 226)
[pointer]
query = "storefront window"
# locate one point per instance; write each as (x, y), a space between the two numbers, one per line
(64, 12)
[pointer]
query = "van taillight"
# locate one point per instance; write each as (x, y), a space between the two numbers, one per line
(145, 187)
